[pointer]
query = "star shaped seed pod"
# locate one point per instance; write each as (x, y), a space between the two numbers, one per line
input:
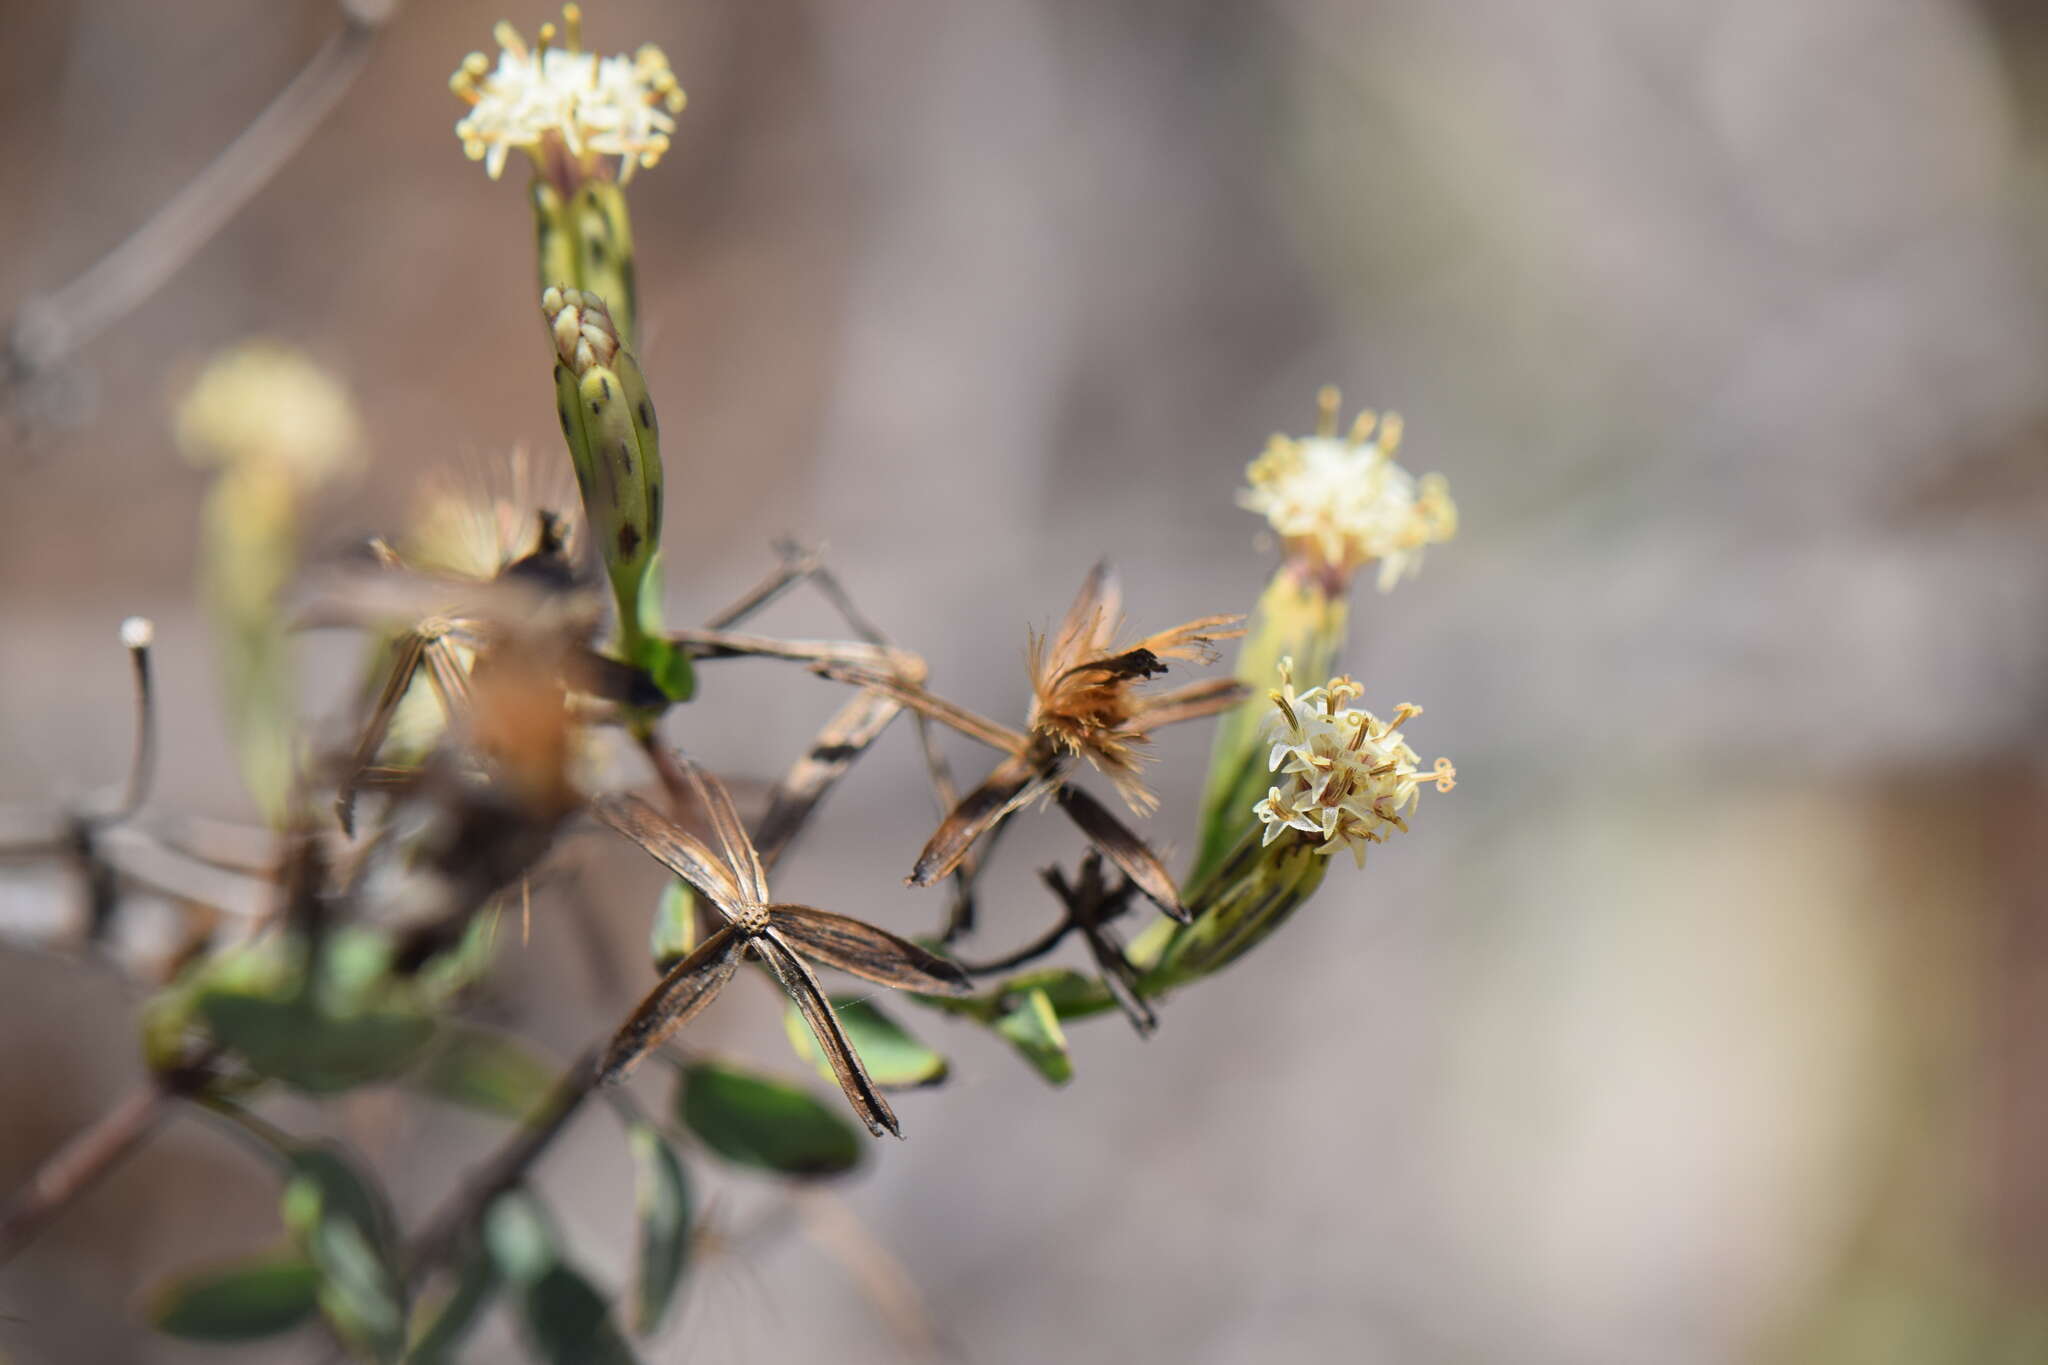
(1085, 702)
(735, 882)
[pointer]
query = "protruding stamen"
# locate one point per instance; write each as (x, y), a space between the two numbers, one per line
(1279, 699)
(1327, 401)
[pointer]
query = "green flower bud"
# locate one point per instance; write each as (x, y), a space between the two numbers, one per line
(585, 243)
(1298, 617)
(1250, 894)
(608, 420)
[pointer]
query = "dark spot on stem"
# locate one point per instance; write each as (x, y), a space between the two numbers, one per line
(833, 753)
(646, 411)
(626, 456)
(606, 385)
(629, 539)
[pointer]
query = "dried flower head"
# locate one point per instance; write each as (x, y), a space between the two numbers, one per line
(1346, 776)
(264, 405)
(1341, 503)
(1086, 697)
(570, 110)
(476, 523)
(733, 879)
(1085, 701)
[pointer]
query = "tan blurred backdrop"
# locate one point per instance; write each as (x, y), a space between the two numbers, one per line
(1705, 1022)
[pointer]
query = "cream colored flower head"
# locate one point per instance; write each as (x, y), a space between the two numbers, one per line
(266, 405)
(1346, 776)
(570, 110)
(1340, 503)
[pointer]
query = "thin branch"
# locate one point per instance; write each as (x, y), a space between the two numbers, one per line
(445, 1229)
(1037, 948)
(50, 328)
(93, 1151)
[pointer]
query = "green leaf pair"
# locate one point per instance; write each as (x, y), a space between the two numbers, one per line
(565, 1319)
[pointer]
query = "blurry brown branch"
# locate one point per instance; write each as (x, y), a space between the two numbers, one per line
(79, 1164)
(508, 1166)
(50, 328)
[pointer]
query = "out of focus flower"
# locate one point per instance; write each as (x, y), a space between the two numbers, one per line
(476, 524)
(566, 108)
(1339, 503)
(1346, 776)
(264, 405)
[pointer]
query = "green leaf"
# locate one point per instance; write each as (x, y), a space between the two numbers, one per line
(241, 1301)
(449, 972)
(674, 932)
(315, 1052)
(519, 1237)
(1033, 1028)
(355, 962)
(344, 1224)
(895, 1059)
(758, 1121)
(669, 667)
(439, 1335)
(662, 1200)
(486, 1071)
(569, 1323)
(1071, 994)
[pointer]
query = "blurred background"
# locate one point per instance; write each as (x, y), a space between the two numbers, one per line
(1705, 1022)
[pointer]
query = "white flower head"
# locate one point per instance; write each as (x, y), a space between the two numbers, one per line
(1345, 776)
(564, 107)
(1342, 502)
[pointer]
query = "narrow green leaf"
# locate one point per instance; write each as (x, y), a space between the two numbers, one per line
(344, 1224)
(758, 1121)
(438, 1335)
(569, 1323)
(674, 932)
(1071, 994)
(895, 1059)
(1033, 1028)
(311, 1051)
(662, 1199)
(240, 1301)
(324, 1182)
(486, 1071)
(519, 1237)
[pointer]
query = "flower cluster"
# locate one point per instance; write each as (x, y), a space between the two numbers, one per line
(1340, 503)
(1346, 775)
(564, 106)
